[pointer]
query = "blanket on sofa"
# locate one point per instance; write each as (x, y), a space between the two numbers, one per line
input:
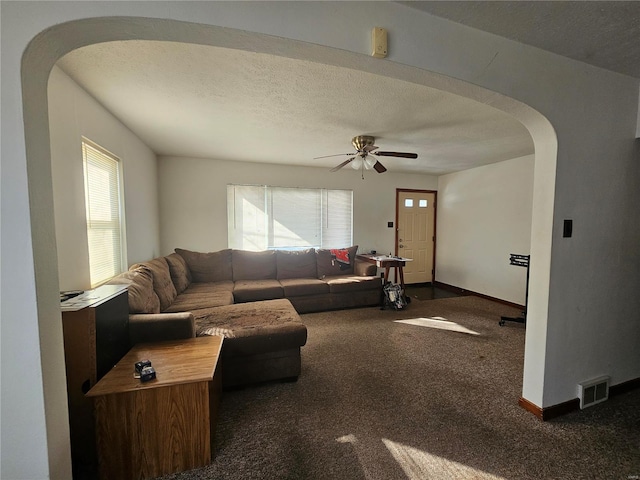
(239, 320)
(342, 257)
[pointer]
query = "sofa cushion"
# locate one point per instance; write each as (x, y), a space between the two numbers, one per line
(254, 290)
(188, 302)
(253, 328)
(296, 264)
(162, 283)
(180, 274)
(160, 327)
(208, 267)
(295, 287)
(142, 297)
(202, 287)
(328, 267)
(349, 283)
(253, 265)
(364, 268)
(203, 295)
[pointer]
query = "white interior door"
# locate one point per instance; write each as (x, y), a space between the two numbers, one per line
(416, 234)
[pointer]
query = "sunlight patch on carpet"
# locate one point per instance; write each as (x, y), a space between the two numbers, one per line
(418, 465)
(439, 323)
(351, 438)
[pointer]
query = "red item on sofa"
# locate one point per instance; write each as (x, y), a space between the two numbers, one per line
(341, 255)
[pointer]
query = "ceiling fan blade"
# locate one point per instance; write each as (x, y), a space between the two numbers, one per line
(369, 148)
(396, 154)
(346, 162)
(337, 155)
(378, 167)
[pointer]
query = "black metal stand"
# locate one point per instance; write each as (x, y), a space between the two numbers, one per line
(519, 261)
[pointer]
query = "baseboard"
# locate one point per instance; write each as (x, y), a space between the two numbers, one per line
(421, 285)
(462, 291)
(624, 387)
(530, 407)
(547, 413)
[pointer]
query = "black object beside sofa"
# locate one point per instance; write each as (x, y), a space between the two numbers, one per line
(251, 298)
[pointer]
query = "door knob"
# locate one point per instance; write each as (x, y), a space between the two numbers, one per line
(400, 246)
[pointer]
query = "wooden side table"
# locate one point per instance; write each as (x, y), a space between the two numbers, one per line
(166, 425)
(388, 263)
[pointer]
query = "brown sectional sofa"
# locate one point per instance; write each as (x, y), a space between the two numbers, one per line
(310, 279)
(251, 298)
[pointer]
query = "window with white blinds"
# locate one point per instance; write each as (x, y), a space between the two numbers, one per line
(261, 217)
(103, 198)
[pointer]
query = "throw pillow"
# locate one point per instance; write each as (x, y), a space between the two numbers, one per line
(253, 265)
(296, 264)
(142, 297)
(162, 283)
(208, 267)
(180, 273)
(328, 266)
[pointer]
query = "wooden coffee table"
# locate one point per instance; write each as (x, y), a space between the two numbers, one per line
(166, 425)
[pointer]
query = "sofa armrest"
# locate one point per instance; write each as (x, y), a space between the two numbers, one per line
(364, 269)
(157, 327)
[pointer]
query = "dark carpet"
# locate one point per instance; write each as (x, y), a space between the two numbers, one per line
(428, 292)
(384, 400)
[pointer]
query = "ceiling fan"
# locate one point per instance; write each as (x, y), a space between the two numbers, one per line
(364, 158)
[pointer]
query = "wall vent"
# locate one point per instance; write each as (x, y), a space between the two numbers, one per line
(593, 391)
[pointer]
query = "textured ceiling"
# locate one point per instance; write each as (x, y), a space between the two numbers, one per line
(602, 33)
(212, 102)
(189, 100)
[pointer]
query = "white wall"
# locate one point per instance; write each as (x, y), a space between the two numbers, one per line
(73, 113)
(484, 214)
(572, 333)
(193, 199)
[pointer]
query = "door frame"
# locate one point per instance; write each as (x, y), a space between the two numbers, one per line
(435, 223)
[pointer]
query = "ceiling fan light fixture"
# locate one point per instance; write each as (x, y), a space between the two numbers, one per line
(365, 158)
(369, 162)
(362, 141)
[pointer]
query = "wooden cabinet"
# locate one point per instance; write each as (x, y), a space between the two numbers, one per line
(166, 425)
(96, 336)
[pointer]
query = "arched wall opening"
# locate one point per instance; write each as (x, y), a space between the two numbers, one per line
(53, 43)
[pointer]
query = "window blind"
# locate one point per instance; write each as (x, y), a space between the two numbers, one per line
(263, 217)
(103, 207)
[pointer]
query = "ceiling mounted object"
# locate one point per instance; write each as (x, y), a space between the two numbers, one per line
(364, 158)
(312, 108)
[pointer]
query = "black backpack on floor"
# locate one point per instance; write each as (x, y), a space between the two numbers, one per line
(394, 296)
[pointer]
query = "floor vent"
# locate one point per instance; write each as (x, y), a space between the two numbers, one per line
(593, 391)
